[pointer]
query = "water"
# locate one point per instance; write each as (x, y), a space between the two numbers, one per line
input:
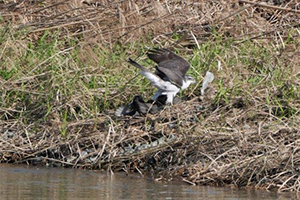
(23, 182)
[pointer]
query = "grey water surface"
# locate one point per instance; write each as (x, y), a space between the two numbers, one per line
(24, 182)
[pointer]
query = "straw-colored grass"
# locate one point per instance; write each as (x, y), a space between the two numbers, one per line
(64, 72)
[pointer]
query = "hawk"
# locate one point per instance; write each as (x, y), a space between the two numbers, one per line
(170, 75)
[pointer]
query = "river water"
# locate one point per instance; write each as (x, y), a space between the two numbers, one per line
(23, 182)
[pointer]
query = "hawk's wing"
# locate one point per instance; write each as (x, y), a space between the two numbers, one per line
(170, 65)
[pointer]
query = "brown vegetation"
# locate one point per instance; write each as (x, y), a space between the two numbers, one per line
(238, 134)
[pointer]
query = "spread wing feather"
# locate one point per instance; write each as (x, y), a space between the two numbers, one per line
(169, 65)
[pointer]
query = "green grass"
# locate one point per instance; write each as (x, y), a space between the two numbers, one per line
(66, 79)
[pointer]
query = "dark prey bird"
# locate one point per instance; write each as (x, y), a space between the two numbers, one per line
(170, 75)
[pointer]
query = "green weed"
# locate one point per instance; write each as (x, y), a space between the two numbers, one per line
(55, 73)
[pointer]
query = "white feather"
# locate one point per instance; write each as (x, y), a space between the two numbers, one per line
(209, 77)
(159, 83)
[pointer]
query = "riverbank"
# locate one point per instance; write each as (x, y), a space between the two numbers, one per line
(64, 73)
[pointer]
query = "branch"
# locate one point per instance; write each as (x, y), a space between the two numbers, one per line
(270, 6)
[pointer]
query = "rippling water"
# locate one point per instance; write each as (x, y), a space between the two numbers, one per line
(23, 182)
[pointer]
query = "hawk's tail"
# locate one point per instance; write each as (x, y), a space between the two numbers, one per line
(132, 62)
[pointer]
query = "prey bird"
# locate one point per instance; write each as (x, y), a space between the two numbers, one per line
(170, 75)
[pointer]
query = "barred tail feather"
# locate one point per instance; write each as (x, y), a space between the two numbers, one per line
(132, 62)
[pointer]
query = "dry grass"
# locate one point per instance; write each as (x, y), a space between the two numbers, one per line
(58, 91)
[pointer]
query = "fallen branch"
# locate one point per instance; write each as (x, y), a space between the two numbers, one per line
(270, 6)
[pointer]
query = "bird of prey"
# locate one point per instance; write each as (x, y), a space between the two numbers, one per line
(170, 75)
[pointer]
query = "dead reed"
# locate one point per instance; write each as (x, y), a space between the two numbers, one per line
(64, 73)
